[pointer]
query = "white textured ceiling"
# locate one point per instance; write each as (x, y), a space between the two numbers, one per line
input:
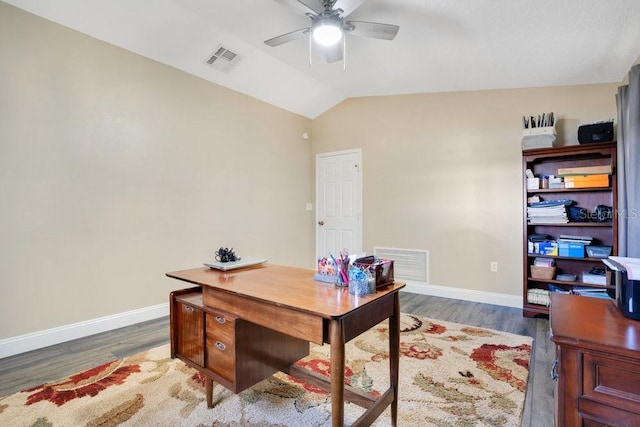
(442, 45)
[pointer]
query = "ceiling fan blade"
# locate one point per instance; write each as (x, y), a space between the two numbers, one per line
(285, 38)
(333, 53)
(372, 29)
(347, 6)
(300, 7)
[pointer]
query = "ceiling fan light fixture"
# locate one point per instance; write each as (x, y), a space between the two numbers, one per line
(327, 32)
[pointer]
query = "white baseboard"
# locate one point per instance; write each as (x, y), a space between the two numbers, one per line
(464, 294)
(41, 339)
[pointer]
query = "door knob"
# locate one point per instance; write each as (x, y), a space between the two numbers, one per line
(320, 222)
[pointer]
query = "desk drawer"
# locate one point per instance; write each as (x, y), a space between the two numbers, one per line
(190, 340)
(221, 345)
(292, 322)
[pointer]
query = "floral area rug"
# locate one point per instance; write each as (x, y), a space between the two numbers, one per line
(450, 375)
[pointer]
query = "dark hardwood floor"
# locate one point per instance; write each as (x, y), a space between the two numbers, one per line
(30, 369)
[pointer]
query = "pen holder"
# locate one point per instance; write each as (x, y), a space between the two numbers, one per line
(342, 277)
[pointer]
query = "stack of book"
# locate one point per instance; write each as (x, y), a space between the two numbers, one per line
(547, 214)
(538, 296)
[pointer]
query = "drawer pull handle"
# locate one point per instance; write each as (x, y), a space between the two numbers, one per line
(554, 370)
(220, 319)
(188, 308)
(221, 346)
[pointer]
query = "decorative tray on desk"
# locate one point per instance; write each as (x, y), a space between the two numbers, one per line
(233, 265)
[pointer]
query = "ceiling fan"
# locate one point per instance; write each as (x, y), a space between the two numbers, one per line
(328, 26)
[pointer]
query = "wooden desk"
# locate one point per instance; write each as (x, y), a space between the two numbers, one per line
(598, 362)
(288, 307)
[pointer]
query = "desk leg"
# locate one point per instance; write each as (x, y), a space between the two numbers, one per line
(336, 338)
(208, 384)
(394, 356)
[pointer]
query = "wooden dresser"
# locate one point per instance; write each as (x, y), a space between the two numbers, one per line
(597, 363)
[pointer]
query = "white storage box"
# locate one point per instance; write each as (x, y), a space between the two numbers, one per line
(594, 279)
(533, 183)
(542, 137)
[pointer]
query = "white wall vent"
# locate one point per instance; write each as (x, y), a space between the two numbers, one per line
(408, 264)
(223, 59)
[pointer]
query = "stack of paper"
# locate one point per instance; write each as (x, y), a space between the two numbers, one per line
(547, 214)
(567, 238)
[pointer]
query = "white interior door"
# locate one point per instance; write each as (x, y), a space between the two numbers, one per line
(338, 202)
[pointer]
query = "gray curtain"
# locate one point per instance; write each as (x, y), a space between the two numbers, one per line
(628, 209)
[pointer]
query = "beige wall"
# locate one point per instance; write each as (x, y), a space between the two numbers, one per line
(115, 169)
(442, 172)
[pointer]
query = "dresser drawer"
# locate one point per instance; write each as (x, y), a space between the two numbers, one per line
(221, 345)
(613, 381)
(595, 414)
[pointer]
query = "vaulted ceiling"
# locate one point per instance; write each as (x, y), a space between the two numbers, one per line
(442, 45)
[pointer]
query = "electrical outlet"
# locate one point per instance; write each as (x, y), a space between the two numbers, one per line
(494, 266)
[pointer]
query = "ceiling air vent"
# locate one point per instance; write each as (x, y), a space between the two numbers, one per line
(223, 59)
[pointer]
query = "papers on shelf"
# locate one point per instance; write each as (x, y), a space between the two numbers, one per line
(547, 214)
(566, 238)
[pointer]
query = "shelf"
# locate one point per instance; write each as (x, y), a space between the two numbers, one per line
(533, 310)
(574, 224)
(567, 283)
(567, 190)
(530, 255)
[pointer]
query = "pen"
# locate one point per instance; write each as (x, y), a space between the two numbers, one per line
(334, 260)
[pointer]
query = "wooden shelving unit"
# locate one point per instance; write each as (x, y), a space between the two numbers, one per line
(547, 161)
